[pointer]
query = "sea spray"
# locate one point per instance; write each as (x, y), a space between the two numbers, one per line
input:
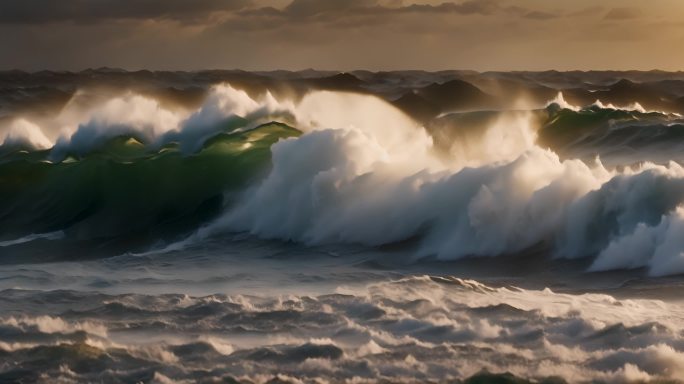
(363, 172)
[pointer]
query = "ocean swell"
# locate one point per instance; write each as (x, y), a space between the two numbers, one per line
(346, 182)
(361, 171)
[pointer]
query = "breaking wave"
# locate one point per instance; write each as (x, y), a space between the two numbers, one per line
(331, 167)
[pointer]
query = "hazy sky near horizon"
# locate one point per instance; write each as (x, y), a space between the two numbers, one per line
(342, 34)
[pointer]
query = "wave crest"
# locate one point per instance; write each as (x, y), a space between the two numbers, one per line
(364, 172)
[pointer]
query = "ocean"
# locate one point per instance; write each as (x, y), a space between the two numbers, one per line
(360, 227)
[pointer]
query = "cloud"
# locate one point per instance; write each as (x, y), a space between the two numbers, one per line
(623, 13)
(375, 12)
(538, 15)
(307, 8)
(199, 11)
(589, 11)
(468, 7)
(317, 7)
(85, 11)
(335, 34)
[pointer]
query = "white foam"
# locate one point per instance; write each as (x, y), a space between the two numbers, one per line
(37, 236)
(560, 101)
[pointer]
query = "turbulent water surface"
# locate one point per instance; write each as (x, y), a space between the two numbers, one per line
(311, 227)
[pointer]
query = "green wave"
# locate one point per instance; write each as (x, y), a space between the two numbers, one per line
(567, 126)
(607, 126)
(565, 130)
(123, 187)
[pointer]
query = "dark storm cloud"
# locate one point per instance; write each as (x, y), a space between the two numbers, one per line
(382, 11)
(88, 11)
(84, 11)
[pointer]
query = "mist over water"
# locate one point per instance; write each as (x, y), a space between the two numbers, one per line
(331, 233)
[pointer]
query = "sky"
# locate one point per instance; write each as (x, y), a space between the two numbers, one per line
(478, 35)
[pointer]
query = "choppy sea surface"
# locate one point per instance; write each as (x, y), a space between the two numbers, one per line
(249, 310)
